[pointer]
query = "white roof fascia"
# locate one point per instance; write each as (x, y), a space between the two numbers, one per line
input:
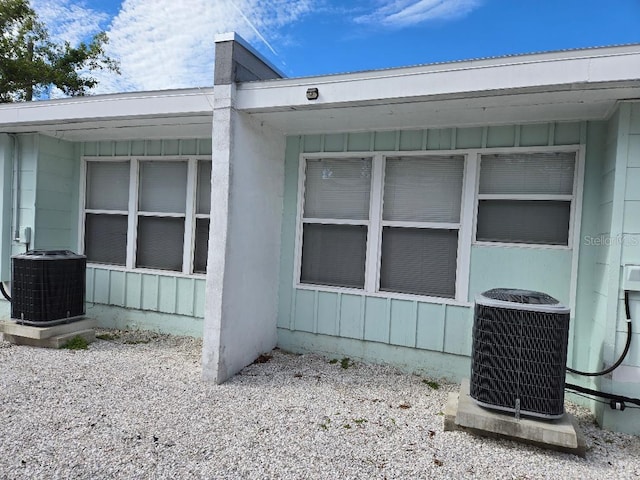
(129, 105)
(562, 70)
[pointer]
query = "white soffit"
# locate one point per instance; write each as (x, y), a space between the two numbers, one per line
(559, 86)
(184, 113)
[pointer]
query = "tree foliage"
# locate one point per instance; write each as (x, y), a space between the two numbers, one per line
(31, 63)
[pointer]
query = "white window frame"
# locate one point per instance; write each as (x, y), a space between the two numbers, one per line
(133, 212)
(466, 228)
(338, 221)
(375, 225)
(575, 198)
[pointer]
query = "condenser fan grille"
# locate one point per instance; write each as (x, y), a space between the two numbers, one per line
(47, 287)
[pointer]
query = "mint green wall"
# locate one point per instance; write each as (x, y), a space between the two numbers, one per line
(622, 189)
(28, 157)
(6, 177)
(147, 147)
(56, 216)
(588, 328)
(146, 291)
(631, 246)
(541, 269)
(149, 292)
(49, 204)
(353, 321)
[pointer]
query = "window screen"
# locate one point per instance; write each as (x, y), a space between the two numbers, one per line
(519, 221)
(337, 188)
(423, 189)
(163, 187)
(419, 261)
(155, 220)
(107, 186)
(160, 243)
(334, 255)
(530, 173)
(201, 245)
(203, 199)
(105, 238)
(526, 198)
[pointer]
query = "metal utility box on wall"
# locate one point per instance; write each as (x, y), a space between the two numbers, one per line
(519, 352)
(47, 287)
(631, 278)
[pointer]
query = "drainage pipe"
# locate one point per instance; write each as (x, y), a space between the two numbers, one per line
(17, 165)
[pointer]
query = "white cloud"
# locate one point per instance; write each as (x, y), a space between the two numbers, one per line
(166, 44)
(69, 21)
(403, 13)
(163, 44)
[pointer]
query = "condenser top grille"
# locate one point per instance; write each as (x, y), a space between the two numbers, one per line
(517, 299)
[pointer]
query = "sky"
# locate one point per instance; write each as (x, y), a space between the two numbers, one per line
(169, 44)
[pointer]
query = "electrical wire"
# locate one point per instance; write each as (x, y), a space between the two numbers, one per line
(4, 292)
(627, 345)
(592, 397)
(608, 396)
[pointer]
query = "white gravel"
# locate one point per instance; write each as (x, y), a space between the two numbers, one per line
(131, 410)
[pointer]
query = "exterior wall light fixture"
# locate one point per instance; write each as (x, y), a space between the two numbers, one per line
(312, 94)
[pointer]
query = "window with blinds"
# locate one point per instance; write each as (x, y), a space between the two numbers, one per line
(421, 221)
(162, 201)
(335, 221)
(410, 246)
(106, 212)
(170, 212)
(526, 198)
(203, 208)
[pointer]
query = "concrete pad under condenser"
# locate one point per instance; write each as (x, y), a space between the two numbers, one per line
(462, 413)
(48, 337)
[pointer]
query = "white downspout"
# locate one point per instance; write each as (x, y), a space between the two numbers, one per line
(17, 165)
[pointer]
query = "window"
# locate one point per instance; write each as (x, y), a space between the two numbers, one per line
(382, 224)
(106, 210)
(203, 207)
(526, 198)
(421, 220)
(336, 221)
(148, 213)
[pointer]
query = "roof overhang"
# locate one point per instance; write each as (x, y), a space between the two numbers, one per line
(171, 113)
(556, 86)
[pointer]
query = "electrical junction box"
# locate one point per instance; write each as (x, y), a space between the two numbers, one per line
(631, 278)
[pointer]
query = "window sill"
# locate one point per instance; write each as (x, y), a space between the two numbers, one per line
(149, 271)
(385, 295)
(521, 245)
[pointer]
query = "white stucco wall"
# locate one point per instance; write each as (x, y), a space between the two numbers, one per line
(244, 241)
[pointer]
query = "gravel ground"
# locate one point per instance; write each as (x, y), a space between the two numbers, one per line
(134, 407)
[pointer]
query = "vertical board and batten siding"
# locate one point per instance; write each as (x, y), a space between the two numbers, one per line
(631, 247)
(56, 207)
(630, 254)
(153, 291)
(587, 334)
(146, 291)
(620, 220)
(28, 154)
(7, 144)
(439, 327)
(603, 236)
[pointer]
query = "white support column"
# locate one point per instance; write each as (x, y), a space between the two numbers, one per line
(213, 368)
(247, 188)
